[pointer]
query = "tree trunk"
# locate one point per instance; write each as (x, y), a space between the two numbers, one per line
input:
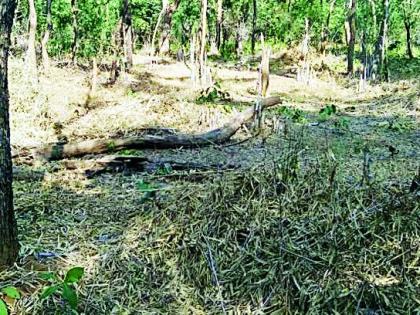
(382, 44)
(116, 53)
(219, 23)
(9, 246)
(127, 35)
(203, 41)
(351, 22)
(31, 52)
(326, 29)
(216, 136)
(408, 12)
(74, 44)
(165, 37)
(45, 38)
(408, 34)
(254, 25)
(159, 20)
(265, 71)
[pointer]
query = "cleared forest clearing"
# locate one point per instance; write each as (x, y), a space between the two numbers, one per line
(313, 215)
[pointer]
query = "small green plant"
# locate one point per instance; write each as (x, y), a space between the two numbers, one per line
(11, 293)
(144, 186)
(111, 145)
(130, 93)
(342, 123)
(129, 152)
(402, 124)
(164, 170)
(213, 94)
(63, 286)
(148, 189)
(327, 112)
(294, 114)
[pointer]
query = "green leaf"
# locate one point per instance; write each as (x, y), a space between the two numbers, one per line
(48, 291)
(3, 308)
(74, 275)
(70, 295)
(145, 186)
(48, 276)
(11, 292)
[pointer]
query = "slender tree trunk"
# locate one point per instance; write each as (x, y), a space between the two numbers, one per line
(409, 14)
(116, 52)
(9, 246)
(373, 8)
(264, 70)
(383, 43)
(351, 22)
(74, 45)
(203, 42)
(219, 23)
(45, 38)
(93, 83)
(193, 62)
(165, 36)
(407, 25)
(127, 35)
(159, 20)
(240, 38)
(326, 28)
(31, 63)
(254, 25)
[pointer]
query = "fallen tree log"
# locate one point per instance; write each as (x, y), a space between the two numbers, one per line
(167, 141)
(129, 164)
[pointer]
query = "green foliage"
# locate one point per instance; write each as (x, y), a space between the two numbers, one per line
(110, 145)
(327, 112)
(145, 187)
(342, 123)
(402, 124)
(128, 152)
(213, 94)
(64, 287)
(281, 22)
(12, 293)
(294, 114)
(3, 308)
(164, 170)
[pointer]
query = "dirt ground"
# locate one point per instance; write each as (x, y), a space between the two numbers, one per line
(104, 225)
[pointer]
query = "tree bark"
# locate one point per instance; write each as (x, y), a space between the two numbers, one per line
(31, 52)
(203, 41)
(159, 20)
(216, 136)
(264, 79)
(408, 36)
(326, 28)
(351, 22)
(407, 10)
(127, 35)
(254, 25)
(74, 44)
(9, 246)
(45, 38)
(382, 43)
(165, 36)
(219, 24)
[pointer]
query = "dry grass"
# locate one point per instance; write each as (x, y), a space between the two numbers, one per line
(294, 230)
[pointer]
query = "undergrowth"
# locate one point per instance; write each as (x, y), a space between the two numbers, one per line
(281, 239)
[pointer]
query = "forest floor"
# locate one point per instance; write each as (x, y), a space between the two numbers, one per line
(317, 217)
